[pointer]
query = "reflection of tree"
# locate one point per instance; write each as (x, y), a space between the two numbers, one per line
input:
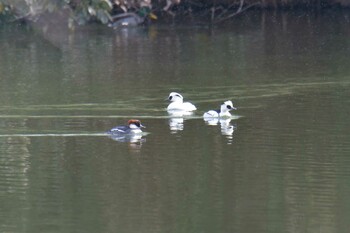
(14, 176)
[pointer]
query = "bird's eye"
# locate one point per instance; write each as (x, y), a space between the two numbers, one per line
(170, 97)
(228, 106)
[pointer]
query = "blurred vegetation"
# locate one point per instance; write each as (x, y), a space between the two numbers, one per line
(83, 11)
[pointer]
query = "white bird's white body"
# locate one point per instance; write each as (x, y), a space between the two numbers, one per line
(177, 103)
(224, 111)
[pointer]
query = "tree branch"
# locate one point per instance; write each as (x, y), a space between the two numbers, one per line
(239, 10)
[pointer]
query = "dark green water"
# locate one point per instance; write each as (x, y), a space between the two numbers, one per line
(284, 168)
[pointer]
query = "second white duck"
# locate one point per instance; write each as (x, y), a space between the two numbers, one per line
(224, 111)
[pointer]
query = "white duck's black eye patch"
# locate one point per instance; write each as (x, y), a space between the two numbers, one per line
(170, 97)
(228, 106)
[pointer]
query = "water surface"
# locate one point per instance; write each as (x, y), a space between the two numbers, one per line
(282, 166)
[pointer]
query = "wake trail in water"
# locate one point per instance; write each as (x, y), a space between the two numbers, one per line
(55, 135)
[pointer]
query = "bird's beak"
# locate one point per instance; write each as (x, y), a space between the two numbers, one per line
(152, 16)
(234, 108)
(142, 126)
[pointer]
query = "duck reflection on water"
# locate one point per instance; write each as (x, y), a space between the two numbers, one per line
(227, 128)
(134, 139)
(176, 120)
(134, 142)
(176, 124)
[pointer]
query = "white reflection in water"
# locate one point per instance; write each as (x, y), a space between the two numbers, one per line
(131, 138)
(135, 141)
(176, 124)
(176, 121)
(226, 127)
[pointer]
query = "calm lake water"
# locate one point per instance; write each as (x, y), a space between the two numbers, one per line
(282, 164)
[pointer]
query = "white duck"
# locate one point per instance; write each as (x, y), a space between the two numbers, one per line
(224, 111)
(177, 103)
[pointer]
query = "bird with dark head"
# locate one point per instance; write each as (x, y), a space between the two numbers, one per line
(133, 127)
(132, 19)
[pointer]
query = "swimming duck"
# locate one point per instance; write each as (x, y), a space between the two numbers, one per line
(133, 127)
(224, 111)
(177, 103)
(131, 19)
